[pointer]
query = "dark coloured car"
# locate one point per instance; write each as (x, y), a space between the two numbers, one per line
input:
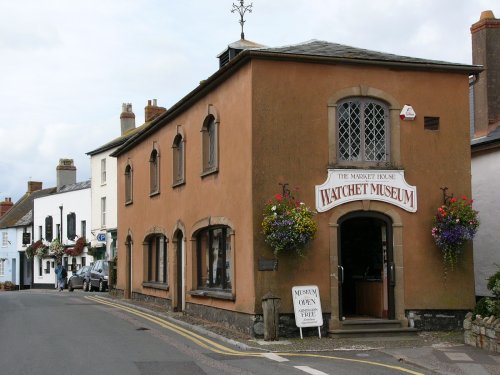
(80, 279)
(99, 276)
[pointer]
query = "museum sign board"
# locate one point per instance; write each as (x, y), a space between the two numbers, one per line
(348, 185)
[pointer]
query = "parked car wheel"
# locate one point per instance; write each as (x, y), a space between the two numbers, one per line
(70, 287)
(86, 287)
(101, 286)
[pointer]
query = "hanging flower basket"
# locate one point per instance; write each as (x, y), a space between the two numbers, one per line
(288, 224)
(56, 250)
(455, 223)
(37, 248)
(77, 249)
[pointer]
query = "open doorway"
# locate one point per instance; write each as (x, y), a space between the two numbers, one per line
(366, 267)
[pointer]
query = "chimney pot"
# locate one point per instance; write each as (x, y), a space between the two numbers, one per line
(127, 118)
(5, 206)
(66, 173)
(152, 111)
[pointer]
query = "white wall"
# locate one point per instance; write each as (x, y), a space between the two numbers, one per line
(108, 190)
(74, 201)
(486, 195)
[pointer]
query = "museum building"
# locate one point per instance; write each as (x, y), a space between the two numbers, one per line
(366, 139)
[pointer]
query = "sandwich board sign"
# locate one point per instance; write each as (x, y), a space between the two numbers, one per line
(307, 307)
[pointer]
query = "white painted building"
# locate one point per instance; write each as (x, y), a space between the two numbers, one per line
(16, 235)
(104, 180)
(485, 147)
(64, 216)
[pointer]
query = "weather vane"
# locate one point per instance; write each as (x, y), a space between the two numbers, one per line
(242, 9)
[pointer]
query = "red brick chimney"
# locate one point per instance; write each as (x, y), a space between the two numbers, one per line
(5, 206)
(486, 52)
(152, 111)
(34, 186)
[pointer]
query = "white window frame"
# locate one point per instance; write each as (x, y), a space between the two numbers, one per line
(2, 267)
(103, 171)
(5, 239)
(103, 212)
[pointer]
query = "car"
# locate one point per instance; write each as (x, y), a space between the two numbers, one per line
(99, 276)
(79, 279)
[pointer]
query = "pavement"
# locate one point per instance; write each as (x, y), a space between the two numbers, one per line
(433, 352)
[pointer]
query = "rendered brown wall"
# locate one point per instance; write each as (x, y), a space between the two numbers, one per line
(290, 145)
(274, 129)
(199, 198)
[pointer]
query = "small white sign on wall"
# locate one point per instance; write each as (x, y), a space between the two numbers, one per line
(307, 307)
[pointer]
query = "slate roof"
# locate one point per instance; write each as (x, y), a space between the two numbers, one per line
(316, 51)
(340, 51)
(119, 140)
(489, 141)
(20, 213)
(74, 187)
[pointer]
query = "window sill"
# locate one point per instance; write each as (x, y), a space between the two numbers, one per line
(212, 294)
(178, 183)
(154, 193)
(153, 285)
(128, 203)
(209, 171)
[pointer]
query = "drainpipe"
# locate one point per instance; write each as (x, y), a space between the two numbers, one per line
(61, 236)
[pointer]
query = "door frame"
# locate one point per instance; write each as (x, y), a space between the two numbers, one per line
(178, 240)
(391, 282)
(397, 245)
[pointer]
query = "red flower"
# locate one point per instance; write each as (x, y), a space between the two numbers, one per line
(453, 200)
(464, 198)
(278, 197)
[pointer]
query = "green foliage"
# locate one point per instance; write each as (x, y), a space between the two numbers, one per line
(488, 306)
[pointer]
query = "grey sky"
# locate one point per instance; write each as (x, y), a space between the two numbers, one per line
(67, 66)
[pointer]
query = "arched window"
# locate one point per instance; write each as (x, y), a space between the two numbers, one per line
(214, 258)
(128, 184)
(157, 259)
(210, 145)
(178, 166)
(154, 172)
(363, 132)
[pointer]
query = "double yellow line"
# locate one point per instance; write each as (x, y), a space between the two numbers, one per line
(221, 349)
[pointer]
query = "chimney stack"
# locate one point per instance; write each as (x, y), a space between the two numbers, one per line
(127, 118)
(5, 206)
(66, 173)
(152, 111)
(34, 186)
(485, 51)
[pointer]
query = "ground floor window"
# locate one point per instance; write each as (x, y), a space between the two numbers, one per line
(214, 258)
(157, 259)
(2, 272)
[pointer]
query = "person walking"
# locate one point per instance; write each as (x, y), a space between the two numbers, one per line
(61, 274)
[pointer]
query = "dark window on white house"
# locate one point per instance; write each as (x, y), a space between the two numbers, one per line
(49, 229)
(71, 226)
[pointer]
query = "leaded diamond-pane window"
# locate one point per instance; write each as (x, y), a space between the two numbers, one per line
(363, 131)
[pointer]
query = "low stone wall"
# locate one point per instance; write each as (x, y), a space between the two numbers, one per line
(482, 333)
(436, 320)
